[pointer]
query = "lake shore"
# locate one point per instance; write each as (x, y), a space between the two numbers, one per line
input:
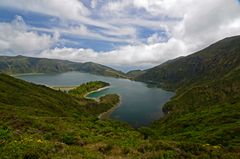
(151, 97)
(106, 115)
(63, 88)
(98, 90)
(25, 74)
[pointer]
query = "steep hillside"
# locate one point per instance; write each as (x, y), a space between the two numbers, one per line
(207, 102)
(38, 122)
(41, 100)
(207, 113)
(94, 68)
(134, 73)
(208, 64)
(22, 64)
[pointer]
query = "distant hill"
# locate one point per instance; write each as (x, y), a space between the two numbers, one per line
(22, 64)
(134, 73)
(210, 63)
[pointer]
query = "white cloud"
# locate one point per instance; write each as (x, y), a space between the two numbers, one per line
(75, 10)
(116, 6)
(153, 7)
(70, 9)
(93, 3)
(118, 35)
(206, 22)
(202, 24)
(156, 38)
(16, 38)
(63, 9)
(190, 25)
(4, 45)
(127, 55)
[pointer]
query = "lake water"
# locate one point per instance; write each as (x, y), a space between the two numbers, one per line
(140, 104)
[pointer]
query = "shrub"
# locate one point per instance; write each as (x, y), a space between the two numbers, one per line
(4, 133)
(68, 138)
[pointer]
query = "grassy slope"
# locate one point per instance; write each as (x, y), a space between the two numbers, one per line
(38, 122)
(41, 122)
(207, 113)
(207, 102)
(22, 64)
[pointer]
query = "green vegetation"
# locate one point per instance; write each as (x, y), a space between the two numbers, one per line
(39, 122)
(206, 107)
(202, 120)
(208, 64)
(88, 87)
(208, 113)
(22, 64)
(134, 73)
(94, 68)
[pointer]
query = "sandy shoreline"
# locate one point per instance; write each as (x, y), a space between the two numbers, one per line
(25, 74)
(104, 115)
(63, 88)
(98, 90)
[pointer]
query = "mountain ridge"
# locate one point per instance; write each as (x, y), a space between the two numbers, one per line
(206, 64)
(22, 64)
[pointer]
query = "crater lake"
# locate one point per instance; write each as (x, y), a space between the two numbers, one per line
(140, 103)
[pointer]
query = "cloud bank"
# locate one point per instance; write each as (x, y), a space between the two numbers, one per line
(153, 31)
(14, 37)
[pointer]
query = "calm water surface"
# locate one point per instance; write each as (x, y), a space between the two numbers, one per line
(140, 104)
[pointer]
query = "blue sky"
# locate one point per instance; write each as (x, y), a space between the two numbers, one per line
(125, 34)
(48, 22)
